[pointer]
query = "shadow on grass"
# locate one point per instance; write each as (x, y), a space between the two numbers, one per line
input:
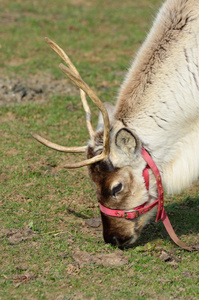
(77, 214)
(184, 218)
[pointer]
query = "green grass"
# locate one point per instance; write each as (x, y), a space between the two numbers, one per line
(38, 193)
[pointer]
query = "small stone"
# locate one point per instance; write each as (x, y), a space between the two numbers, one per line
(164, 256)
(94, 222)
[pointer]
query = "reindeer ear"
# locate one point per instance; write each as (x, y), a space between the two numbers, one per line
(127, 142)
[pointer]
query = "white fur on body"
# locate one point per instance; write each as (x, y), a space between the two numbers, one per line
(162, 102)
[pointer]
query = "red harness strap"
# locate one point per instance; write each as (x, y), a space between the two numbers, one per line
(139, 210)
(153, 167)
(128, 214)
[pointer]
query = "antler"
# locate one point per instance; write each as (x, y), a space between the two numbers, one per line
(67, 60)
(57, 147)
(74, 75)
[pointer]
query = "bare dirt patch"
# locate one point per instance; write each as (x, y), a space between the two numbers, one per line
(94, 222)
(34, 88)
(16, 236)
(116, 259)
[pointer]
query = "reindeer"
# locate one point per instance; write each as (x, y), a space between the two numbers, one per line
(149, 140)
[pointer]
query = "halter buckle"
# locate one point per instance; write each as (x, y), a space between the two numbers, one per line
(131, 211)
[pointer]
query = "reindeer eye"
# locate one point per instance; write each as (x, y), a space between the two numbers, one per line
(116, 189)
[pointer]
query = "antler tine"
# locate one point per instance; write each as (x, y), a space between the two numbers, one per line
(57, 147)
(67, 60)
(69, 150)
(86, 162)
(88, 113)
(82, 85)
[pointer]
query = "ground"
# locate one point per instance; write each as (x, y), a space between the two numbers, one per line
(34, 89)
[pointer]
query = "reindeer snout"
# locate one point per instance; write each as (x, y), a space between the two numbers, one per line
(118, 231)
(115, 240)
(112, 239)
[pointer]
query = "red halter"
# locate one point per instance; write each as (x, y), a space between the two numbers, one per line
(139, 210)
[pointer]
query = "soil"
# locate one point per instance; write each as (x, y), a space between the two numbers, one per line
(16, 236)
(33, 88)
(80, 258)
(108, 260)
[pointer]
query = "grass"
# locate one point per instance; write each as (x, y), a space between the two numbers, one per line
(39, 196)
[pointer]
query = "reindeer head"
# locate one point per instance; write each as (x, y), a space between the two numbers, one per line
(120, 185)
(115, 162)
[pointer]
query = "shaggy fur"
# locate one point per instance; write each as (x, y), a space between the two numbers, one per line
(159, 99)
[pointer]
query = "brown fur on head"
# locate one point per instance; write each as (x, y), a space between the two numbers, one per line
(119, 187)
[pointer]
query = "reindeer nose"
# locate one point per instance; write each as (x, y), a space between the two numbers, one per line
(112, 234)
(115, 240)
(112, 239)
